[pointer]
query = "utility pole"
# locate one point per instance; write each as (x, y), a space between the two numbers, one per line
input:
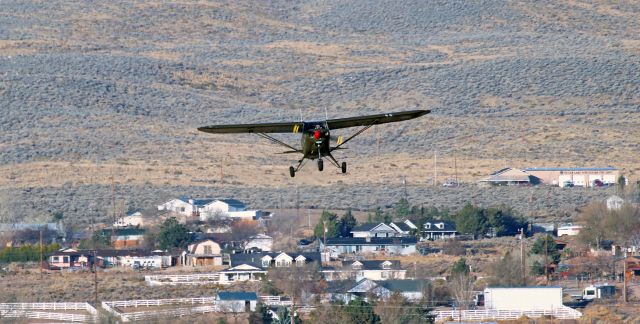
(624, 277)
(404, 186)
(309, 217)
(41, 254)
(435, 168)
(522, 260)
(546, 263)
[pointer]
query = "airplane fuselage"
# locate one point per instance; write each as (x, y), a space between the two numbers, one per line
(315, 137)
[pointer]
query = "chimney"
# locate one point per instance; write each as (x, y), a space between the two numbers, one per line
(368, 239)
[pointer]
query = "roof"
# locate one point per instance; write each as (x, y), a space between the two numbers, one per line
(571, 169)
(233, 202)
(338, 286)
(373, 264)
(237, 295)
(507, 175)
(111, 252)
(255, 259)
(407, 285)
(402, 226)
(371, 240)
(449, 226)
(365, 227)
(202, 202)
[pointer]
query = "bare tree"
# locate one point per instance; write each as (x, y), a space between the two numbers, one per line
(507, 270)
(462, 289)
(300, 283)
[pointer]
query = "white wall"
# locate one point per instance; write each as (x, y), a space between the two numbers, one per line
(523, 299)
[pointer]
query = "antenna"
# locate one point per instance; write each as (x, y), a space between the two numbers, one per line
(301, 119)
(326, 114)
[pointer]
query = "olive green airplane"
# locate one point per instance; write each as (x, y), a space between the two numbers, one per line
(316, 135)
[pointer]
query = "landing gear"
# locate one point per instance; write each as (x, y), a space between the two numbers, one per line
(344, 167)
(292, 171)
(320, 165)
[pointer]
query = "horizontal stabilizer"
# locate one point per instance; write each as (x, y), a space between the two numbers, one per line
(290, 152)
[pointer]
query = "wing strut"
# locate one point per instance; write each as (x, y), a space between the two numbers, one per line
(354, 135)
(277, 141)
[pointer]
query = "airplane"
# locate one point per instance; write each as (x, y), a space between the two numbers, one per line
(316, 135)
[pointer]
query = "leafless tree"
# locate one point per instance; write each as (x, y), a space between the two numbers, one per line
(300, 283)
(462, 289)
(506, 271)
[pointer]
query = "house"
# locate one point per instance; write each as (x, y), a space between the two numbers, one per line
(207, 208)
(580, 177)
(140, 218)
(614, 203)
(507, 177)
(260, 242)
(374, 230)
(404, 228)
(569, 230)
(205, 252)
(366, 269)
(254, 266)
(369, 245)
(523, 298)
(438, 229)
(181, 205)
(236, 301)
(70, 258)
(410, 289)
(125, 238)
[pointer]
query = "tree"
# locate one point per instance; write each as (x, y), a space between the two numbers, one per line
(243, 229)
(546, 242)
(347, 223)
(261, 315)
(460, 267)
(300, 283)
(397, 310)
(331, 221)
(361, 312)
(378, 216)
(284, 317)
(471, 220)
(57, 216)
(622, 182)
(402, 208)
(173, 234)
(506, 271)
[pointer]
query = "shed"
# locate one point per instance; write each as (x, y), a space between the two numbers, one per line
(236, 301)
(523, 298)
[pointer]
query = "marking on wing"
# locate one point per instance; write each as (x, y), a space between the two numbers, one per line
(296, 128)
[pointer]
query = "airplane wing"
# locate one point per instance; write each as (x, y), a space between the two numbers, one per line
(252, 128)
(297, 126)
(375, 119)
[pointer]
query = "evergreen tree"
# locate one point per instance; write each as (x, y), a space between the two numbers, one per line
(460, 267)
(173, 234)
(331, 220)
(359, 311)
(402, 209)
(347, 223)
(552, 248)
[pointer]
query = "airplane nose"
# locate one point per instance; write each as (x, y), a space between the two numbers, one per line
(316, 135)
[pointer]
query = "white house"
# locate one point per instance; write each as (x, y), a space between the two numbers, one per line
(366, 269)
(410, 289)
(374, 230)
(179, 205)
(438, 229)
(254, 266)
(227, 208)
(369, 245)
(260, 242)
(403, 228)
(614, 203)
(569, 230)
(523, 298)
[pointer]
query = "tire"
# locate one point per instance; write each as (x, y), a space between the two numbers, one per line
(344, 167)
(292, 171)
(320, 165)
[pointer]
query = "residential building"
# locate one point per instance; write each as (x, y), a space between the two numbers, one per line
(369, 245)
(207, 208)
(410, 289)
(70, 258)
(507, 177)
(180, 205)
(140, 218)
(404, 228)
(254, 266)
(205, 252)
(366, 269)
(438, 230)
(106, 258)
(599, 291)
(581, 177)
(374, 230)
(260, 242)
(236, 301)
(523, 298)
(569, 230)
(614, 203)
(125, 238)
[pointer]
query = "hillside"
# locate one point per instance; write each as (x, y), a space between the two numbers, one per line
(93, 91)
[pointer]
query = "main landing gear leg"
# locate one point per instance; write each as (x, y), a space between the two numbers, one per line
(292, 170)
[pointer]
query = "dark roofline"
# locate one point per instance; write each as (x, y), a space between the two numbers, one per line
(371, 240)
(571, 169)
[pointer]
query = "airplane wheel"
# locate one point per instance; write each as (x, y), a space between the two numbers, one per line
(344, 167)
(320, 165)
(292, 172)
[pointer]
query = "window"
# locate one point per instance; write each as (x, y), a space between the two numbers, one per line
(300, 262)
(283, 263)
(266, 263)
(386, 265)
(427, 225)
(207, 249)
(54, 259)
(65, 259)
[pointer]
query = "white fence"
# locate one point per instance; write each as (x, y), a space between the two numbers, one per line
(39, 311)
(112, 307)
(274, 301)
(193, 279)
(480, 315)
